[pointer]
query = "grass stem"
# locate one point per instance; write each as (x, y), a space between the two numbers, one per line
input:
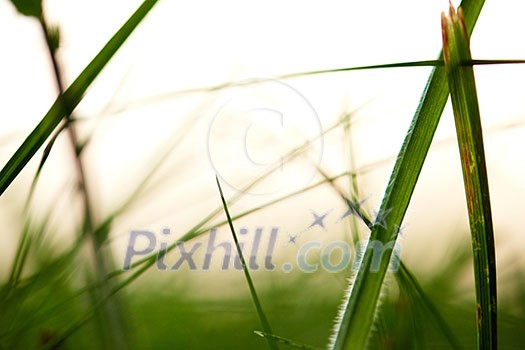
(463, 93)
(260, 312)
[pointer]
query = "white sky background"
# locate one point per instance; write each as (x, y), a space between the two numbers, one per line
(201, 43)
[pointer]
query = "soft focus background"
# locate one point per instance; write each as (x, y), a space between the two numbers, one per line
(146, 118)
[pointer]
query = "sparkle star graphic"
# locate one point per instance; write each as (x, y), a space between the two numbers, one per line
(292, 238)
(353, 208)
(318, 220)
(380, 218)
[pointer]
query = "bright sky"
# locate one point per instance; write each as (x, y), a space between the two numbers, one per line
(201, 43)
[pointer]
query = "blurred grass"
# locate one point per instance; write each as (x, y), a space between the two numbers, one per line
(172, 312)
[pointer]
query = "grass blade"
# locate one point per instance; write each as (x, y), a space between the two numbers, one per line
(248, 82)
(285, 341)
(405, 277)
(470, 140)
(358, 311)
(73, 95)
(408, 281)
(260, 312)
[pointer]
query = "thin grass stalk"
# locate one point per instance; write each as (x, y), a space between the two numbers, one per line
(286, 341)
(249, 82)
(110, 315)
(462, 86)
(347, 128)
(272, 344)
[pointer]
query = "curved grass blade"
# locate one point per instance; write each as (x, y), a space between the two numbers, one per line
(72, 96)
(462, 86)
(359, 310)
(260, 312)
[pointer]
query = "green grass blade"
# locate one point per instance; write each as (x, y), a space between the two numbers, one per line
(73, 95)
(358, 311)
(21, 255)
(405, 277)
(260, 312)
(408, 280)
(248, 82)
(45, 155)
(470, 140)
(285, 341)
(348, 145)
(32, 8)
